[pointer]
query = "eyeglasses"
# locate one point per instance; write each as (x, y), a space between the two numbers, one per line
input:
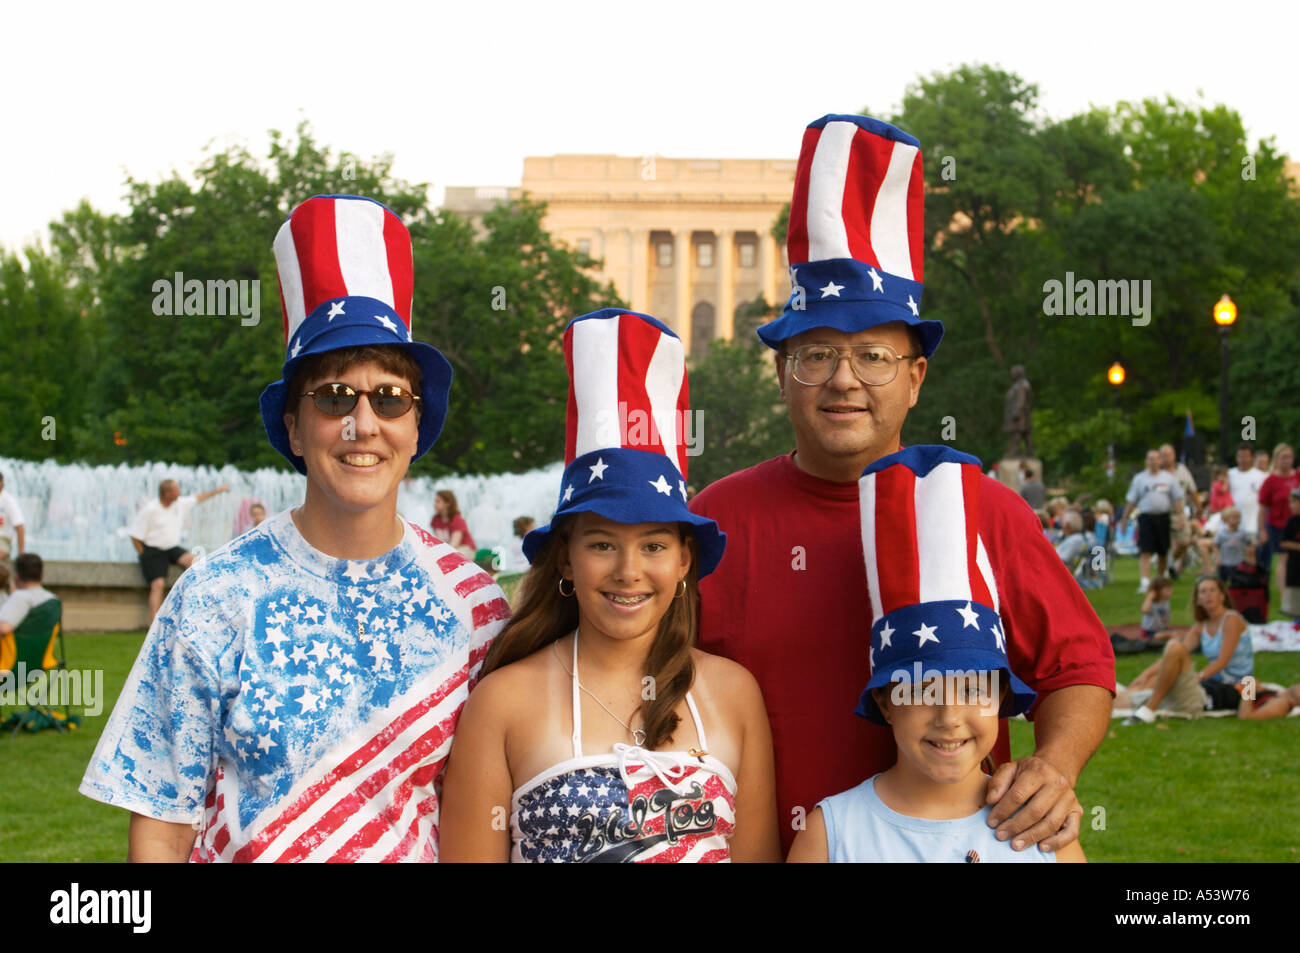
(336, 400)
(873, 364)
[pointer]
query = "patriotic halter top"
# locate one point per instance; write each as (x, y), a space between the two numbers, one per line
(628, 806)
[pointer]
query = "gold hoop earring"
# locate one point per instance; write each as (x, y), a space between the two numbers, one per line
(560, 586)
(683, 591)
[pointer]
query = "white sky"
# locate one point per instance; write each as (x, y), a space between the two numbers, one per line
(461, 93)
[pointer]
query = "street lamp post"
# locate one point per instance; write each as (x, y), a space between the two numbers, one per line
(1114, 374)
(1225, 314)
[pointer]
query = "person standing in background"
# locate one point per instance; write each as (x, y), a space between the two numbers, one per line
(449, 526)
(1032, 489)
(156, 535)
(1275, 510)
(11, 525)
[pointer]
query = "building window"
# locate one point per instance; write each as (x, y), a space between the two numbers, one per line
(747, 255)
(584, 246)
(664, 250)
(704, 254)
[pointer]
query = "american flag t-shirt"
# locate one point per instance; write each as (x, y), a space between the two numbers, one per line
(297, 707)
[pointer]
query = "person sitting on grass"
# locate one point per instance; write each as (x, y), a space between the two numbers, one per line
(1269, 704)
(1220, 632)
(1156, 610)
(941, 694)
(1074, 543)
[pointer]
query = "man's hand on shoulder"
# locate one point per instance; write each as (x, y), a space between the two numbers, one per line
(1033, 803)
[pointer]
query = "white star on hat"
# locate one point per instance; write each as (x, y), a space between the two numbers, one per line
(598, 470)
(831, 289)
(912, 304)
(661, 485)
(998, 636)
(568, 493)
(297, 346)
(969, 617)
(885, 633)
(681, 485)
(925, 634)
(336, 309)
(387, 322)
(876, 284)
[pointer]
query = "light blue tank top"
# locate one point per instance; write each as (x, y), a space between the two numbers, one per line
(860, 829)
(1242, 662)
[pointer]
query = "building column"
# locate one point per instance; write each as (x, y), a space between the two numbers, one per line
(682, 284)
(638, 287)
(725, 250)
(767, 267)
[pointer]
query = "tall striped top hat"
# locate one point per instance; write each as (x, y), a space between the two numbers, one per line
(624, 446)
(856, 237)
(933, 597)
(345, 273)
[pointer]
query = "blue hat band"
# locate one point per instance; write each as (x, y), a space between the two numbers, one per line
(849, 295)
(629, 486)
(941, 638)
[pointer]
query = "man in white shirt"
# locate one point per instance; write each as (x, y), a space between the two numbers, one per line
(156, 534)
(1154, 493)
(11, 524)
(28, 594)
(1244, 481)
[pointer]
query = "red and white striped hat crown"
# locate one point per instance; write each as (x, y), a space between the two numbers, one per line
(856, 237)
(625, 443)
(934, 600)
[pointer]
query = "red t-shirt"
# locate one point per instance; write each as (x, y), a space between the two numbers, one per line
(1275, 493)
(444, 528)
(789, 601)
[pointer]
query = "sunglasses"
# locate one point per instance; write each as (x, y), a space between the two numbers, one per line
(337, 400)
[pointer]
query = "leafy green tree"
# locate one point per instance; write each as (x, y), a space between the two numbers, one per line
(735, 396)
(497, 309)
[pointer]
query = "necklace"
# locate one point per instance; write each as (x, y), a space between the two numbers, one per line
(638, 734)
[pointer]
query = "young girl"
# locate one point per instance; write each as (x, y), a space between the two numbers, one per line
(939, 678)
(598, 732)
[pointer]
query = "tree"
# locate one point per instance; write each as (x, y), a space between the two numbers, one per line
(734, 397)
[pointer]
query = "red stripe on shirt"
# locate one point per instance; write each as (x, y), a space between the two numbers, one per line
(488, 612)
(347, 767)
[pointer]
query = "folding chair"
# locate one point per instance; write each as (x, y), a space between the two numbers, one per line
(36, 645)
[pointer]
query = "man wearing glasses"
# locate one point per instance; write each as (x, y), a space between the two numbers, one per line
(791, 600)
(296, 696)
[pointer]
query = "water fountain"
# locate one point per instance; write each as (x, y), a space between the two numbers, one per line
(80, 513)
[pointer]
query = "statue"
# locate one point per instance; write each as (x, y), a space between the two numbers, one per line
(1016, 415)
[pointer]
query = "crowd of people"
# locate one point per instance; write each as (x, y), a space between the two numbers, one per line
(1246, 521)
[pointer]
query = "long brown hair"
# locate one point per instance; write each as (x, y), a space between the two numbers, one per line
(448, 497)
(1199, 614)
(544, 616)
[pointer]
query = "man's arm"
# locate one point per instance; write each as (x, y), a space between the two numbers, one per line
(22, 538)
(153, 841)
(211, 493)
(1069, 725)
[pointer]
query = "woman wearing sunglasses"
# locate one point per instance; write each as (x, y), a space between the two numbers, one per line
(295, 697)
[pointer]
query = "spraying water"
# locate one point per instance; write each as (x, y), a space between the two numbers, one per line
(81, 513)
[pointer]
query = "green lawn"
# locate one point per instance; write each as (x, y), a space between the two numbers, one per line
(1206, 790)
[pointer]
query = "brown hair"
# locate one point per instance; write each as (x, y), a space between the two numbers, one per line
(1199, 614)
(453, 508)
(521, 525)
(544, 616)
(390, 358)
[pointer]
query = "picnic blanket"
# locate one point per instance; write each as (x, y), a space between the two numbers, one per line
(1280, 635)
